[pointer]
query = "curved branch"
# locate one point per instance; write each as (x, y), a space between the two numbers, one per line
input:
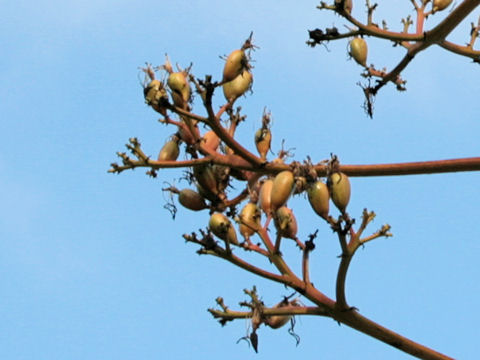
(461, 50)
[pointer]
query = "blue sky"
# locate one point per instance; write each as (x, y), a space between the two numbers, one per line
(93, 267)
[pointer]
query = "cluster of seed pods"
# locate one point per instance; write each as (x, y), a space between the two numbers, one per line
(269, 194)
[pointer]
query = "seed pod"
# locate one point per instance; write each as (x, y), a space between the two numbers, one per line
(234, 65)
(439, 5)
(211, 140)
(277, 321)
(359, 50)
(263, 138)
(221, 226)
(250, 217)
(339, 187)
(207, 182)
(281, 189)
(191, 200)
(286, 223)
(153, 93)
(177, 82)
(238, 86)
(265, 196)
(151, 90)
(169, 151)
(319, 197)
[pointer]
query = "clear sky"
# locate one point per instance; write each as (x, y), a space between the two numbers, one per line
(93, 267)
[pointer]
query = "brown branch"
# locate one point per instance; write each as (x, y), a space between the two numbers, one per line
(230, 257)
(409, 168)
(284, 310)
(466, 51)
(358, 322)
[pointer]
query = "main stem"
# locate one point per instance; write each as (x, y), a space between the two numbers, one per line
(353, 319)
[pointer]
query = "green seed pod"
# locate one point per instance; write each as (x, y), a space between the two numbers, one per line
(265, 196)
(178, 83)
(238, 86)
(211, 140)
(234, 65)
(319, 197)
(359, 50)
(221, 226)
(286, 223)
(439, 5)
(207, 182)
(339, 187)
(263, 138)
(249, 218)
(281, 189)
(169, 151)
(191, 200)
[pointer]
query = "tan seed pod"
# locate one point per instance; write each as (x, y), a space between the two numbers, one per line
(339, 187)
(319, 197)
(359, 50)
(238, 86)
(153, 93)
(191, 200)
(169, 151)
(221, 226)
(178, 83)
(207, 181)
(265, 196)
(286, 223)
(277, 321)
(439, 5)
(249, 219)
(151, 90)
(234, 65)
(281, 189)
(211, 140)
(263, 139)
